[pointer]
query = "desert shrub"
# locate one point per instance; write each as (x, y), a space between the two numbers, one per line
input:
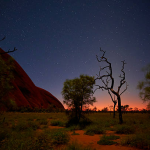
(76, 146)
(20, 126)
(140, 140)
(23, 126)
(18, 141)
(33, 125)
(57, 123)
(84, 121)
(43, 122)
(112, 137)
(41, 142)
(58, 136)
(124, 129)
(106, 140)
(94, 129)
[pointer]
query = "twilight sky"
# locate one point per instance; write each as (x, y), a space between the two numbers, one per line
(59, 40)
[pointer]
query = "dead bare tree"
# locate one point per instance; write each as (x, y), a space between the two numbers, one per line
(114, 101)
(108, 82)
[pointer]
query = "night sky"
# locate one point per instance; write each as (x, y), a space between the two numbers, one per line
(59, 40)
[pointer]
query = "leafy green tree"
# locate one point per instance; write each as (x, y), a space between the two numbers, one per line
(78, 92)
(144, 86)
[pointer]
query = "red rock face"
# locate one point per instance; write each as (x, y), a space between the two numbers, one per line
(25, 93)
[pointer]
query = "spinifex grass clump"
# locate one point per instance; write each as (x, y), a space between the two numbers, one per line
(139, 140)
(94, 129)
(43, 122)
(76, 146)
(57, 123)
(23, 126)
(107, 140)
(58, 136)
(20, 126)
(124, 129)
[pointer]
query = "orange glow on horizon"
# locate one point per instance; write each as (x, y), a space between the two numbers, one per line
(133, 102)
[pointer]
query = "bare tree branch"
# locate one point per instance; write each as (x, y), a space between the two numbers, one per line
(108, 78)
(124, 89)
(3, 38)
(123, 77)
(9, 51)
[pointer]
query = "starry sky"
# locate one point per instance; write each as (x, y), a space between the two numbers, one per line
(59, 40)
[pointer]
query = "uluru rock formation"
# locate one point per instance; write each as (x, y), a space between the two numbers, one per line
(25, 93)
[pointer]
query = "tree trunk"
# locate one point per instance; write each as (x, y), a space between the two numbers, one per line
(119, 109)
(76, 113)
(114, 110)
(80, 111)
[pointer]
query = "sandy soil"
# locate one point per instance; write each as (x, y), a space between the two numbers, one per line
(91, 141)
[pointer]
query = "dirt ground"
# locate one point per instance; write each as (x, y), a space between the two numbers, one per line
(91, 141)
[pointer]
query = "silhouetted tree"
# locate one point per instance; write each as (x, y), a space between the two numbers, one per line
(95, 109)
(105, 109)
(114, 101)
(125, 107)
(78, 92)
(107, 81)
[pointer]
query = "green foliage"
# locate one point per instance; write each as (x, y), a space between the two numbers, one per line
(43, 122)
(112, 137)
(94, 129)
(140, 140)
(144, 86)
(76, 146)
(33, 125)
(18, 131)
(24, 126)
(21, 126)
(78, 92)
(57, 123)
(106, 140)
(124, 129)
(58, 136)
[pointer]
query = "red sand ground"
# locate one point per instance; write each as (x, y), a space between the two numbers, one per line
(91, 141)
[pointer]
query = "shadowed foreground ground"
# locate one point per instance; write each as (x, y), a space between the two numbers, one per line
(46, 131)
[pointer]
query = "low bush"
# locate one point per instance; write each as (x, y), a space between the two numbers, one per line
(43, 122)
(112, 137)
(33, 125)
(76, 146)
(20, 126)
(57, 123)
(124, 129)
(106, 140)
(141, 140)
(58, 136)
(94, 129)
